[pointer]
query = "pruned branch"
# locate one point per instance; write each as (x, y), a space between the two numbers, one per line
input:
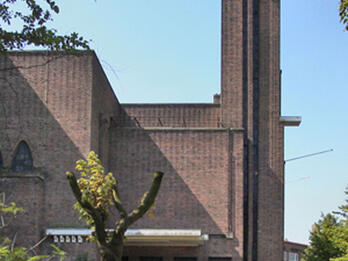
(147, 200)
(95, 192)
(117, 202)
(94, 213)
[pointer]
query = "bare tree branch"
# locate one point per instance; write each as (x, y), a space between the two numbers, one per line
(118, 203)
(95, 214)
(147, 200)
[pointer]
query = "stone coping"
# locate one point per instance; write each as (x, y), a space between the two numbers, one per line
(8, 173)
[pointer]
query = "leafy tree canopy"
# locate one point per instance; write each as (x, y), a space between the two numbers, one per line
(329, 237)
(33, 21)
(95, 192)
(344, 12)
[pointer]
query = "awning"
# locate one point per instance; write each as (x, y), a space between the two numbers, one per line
(290, 120)
(136, 237)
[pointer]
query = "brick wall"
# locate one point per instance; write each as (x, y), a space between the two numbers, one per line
(194, 193)
(171, 115)
(105, 107)
(271, 173)
(223, 162)
(45, 99)
(28, 193)
(215, 247)
(202, 187)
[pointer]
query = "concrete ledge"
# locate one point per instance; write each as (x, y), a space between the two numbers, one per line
(192, 105)
(291, 120)
(6, 173)
(137, 237)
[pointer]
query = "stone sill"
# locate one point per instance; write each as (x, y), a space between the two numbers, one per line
(7, 173)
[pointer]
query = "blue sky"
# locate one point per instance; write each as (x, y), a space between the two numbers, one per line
(169, 51)
(315, 72)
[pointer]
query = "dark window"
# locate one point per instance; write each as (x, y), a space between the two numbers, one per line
(185, 259)
(151, 258)
(1, 162)
(22, 160)
(220, 259)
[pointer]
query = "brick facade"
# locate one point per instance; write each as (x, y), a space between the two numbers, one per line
(293, 251)
(223, 161)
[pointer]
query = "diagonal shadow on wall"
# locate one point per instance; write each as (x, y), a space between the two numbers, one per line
(188, 197)
(34, 106)
(194, 193)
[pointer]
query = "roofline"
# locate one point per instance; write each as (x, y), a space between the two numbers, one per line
(295, 243)
(170, 104)
(41, 51)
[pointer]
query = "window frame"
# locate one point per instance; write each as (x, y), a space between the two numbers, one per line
(22, 160)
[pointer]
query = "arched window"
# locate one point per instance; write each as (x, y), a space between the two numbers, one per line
(22, 160)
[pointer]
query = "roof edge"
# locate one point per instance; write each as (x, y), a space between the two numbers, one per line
(169, 104)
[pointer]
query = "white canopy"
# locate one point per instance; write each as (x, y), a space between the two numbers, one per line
(137, 237)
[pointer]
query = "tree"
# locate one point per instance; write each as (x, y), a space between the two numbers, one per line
(329, 237)
(322, 246)
(34, 31)
(343, 10)
(95, 193)
(341, 238)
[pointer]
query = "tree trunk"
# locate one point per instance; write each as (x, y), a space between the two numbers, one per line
(110, 257)
(113, 252)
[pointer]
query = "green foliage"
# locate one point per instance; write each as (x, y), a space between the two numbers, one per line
(343, 258)
(322, 246)
(343, 10)
(343, 210)
(9, 252)
(8, 212)
(95, 192)
(95, 186)
(16, 254)
(10, 209)
(329, 237)
(34, 31)
(58, 252)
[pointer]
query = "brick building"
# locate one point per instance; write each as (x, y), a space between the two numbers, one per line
(293, 251)
(222, 195)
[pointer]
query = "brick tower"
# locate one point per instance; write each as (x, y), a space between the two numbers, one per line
(251, 100)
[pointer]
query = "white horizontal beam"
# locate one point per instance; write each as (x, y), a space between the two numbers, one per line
(291, 120)
(68, 231)
(129, 232)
